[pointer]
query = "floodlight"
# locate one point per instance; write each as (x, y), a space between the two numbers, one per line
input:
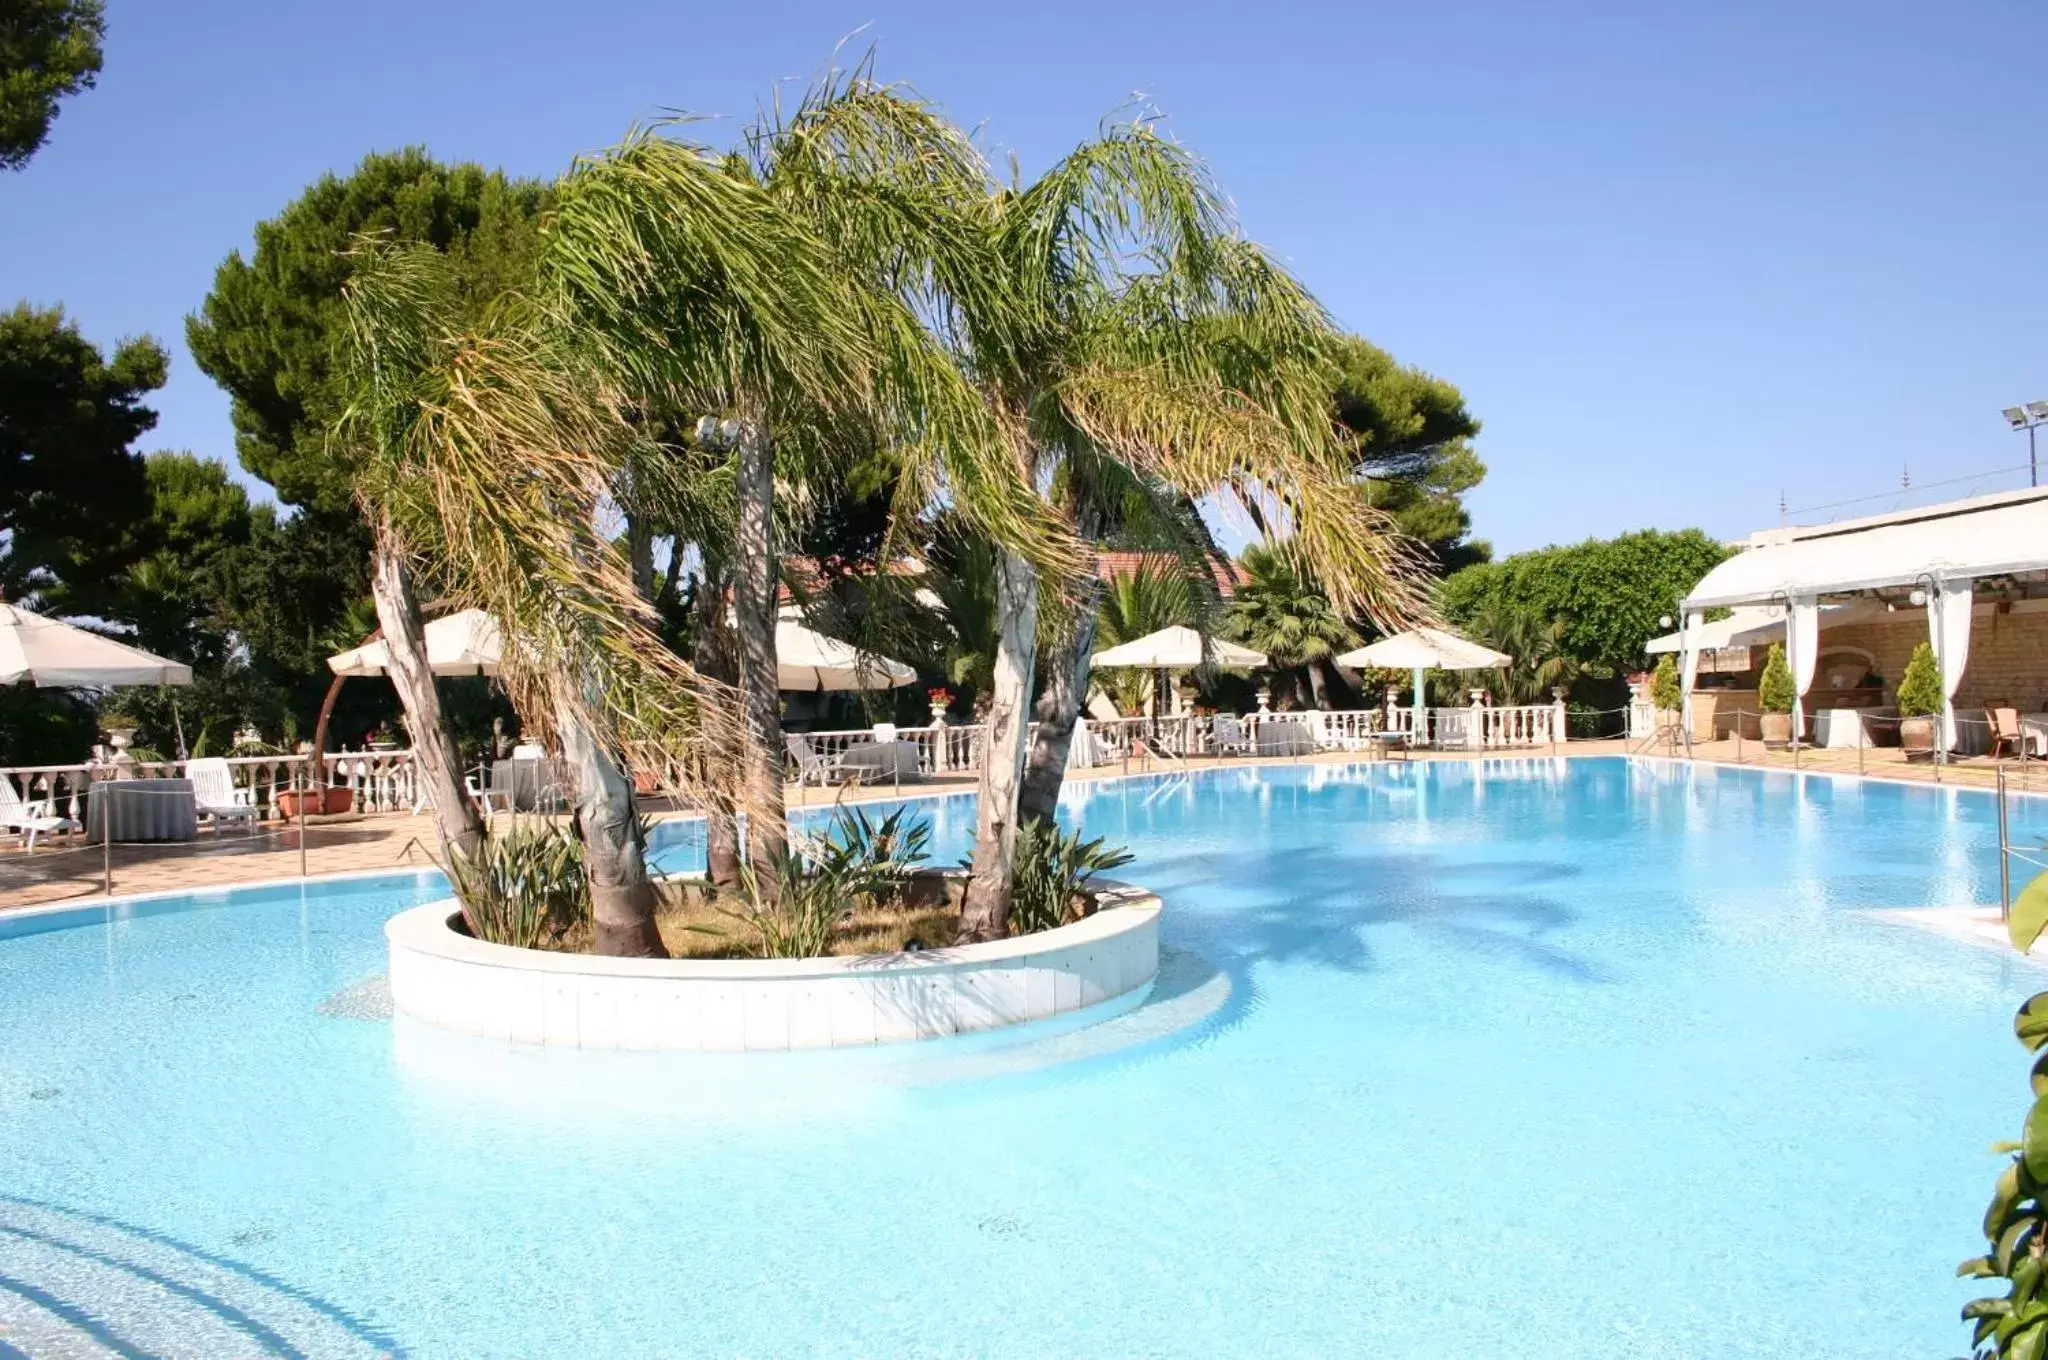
(2016, 417)
(2038, 409)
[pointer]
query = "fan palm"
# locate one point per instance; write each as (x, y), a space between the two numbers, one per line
(1282, 613)
(1145, 601)
(1542, 660)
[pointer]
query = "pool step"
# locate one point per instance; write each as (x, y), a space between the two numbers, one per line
(79, 1285)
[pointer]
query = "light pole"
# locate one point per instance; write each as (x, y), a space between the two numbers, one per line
(2029, 418)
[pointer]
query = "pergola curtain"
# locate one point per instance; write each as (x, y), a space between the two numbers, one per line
(1948, 629)
(1802, 638)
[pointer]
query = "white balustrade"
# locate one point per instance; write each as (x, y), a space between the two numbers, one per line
(382, 781)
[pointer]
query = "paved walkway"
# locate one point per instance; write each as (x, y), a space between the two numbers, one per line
(78, 873)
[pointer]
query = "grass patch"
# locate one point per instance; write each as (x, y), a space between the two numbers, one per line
(693, 926)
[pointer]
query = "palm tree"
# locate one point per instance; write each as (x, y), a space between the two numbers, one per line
(763, 294)
(1144, 601)
(1542, 660)
(1280, 612)
(1133, 331)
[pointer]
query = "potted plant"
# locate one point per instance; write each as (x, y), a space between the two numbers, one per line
(1774, 695)
(1665, 697)
(1920, 698)
(382, 738)
(940, 699)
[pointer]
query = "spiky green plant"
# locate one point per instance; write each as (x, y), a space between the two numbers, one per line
(1053, 868)
(522, 887)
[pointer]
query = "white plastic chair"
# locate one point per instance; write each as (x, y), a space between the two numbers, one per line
(30, 819)
(214, 793)
(483, 797)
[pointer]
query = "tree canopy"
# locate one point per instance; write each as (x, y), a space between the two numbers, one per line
(49, 50)
(1414, 449)
(68, 477)
(272, 330)
(1611, 592)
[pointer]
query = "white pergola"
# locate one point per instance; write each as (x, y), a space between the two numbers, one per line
(1938, 553)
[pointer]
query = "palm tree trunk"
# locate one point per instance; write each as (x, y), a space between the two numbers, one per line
(753, 602)
(1059, 708)
(640, 554)
(435, 761)
(622, 900)
(714, 661)
(985, 912)
(1315, 685)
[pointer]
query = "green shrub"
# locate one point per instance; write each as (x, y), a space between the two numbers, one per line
(872, 860)
(818, 884)
(522, 887)
(809, 903)
(1920, 686)
(1584, 720)
(1050, 870)
(1664, 692)
(1774, 690)
(2016, 1223)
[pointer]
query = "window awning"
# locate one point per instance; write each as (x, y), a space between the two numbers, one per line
(1988, 536)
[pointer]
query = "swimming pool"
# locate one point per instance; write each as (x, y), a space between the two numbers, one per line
(1557, 1058)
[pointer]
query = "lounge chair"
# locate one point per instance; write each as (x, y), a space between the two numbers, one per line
(30, 819)
(214, 793)
(810, 765)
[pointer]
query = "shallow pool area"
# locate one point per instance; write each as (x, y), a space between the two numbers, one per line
(1564, 1058)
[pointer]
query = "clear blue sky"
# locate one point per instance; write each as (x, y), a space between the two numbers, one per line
(1679, 257)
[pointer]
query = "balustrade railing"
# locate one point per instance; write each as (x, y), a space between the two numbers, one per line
(940, 749)
(382, 781)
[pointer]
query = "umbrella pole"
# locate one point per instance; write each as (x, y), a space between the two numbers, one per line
(1421, 714)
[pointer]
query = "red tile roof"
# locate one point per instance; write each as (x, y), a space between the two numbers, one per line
(1115, 566)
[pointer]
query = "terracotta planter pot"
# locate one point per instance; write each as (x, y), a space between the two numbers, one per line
(1777, 728)
(1916, 737)
(318, 803)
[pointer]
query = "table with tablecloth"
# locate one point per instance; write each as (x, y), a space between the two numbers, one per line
(1845, 729)
(142, 810)
(1276, 736)
(2034, 727)
(882, 760)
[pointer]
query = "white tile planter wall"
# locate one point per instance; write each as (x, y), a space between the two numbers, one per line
(446, 978)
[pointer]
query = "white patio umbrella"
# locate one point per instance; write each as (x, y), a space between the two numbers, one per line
(1425, 649)
(53, 655)
(1177, 648)
(810, 661)
(464, 643)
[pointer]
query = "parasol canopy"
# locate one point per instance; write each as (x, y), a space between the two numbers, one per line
(464, 643)
(53, 655)
(1178, 648)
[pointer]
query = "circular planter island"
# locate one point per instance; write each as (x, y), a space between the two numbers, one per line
(443, 976)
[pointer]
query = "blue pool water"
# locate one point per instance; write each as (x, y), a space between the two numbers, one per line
(1522, 1057)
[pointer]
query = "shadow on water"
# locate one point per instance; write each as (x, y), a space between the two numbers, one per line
(1318, 908)
(86, 1281)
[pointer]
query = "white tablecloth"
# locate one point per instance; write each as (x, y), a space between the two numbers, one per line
(2034, 726)
(1844, 728)
(883, 760)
